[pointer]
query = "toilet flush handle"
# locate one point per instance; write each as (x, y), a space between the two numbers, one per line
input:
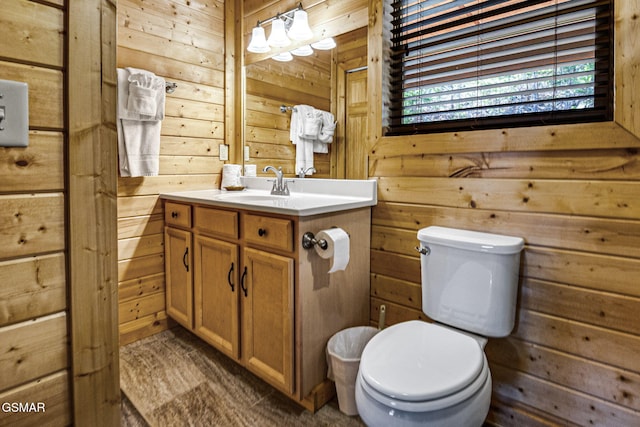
(424, 250)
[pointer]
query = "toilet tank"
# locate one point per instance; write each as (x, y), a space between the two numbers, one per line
(470, 279)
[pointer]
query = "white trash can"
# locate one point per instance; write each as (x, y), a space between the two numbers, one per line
(344, 350)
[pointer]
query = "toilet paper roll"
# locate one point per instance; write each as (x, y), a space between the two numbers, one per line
(337, 248)
(231, 175)
(250, 170)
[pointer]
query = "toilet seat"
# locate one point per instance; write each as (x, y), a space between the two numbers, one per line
(422, 366)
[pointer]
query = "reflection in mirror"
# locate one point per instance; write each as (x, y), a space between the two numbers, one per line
(309, 80)
(268, 86)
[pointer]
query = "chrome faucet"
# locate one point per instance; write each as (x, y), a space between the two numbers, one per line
(303, 172)
(279, 186)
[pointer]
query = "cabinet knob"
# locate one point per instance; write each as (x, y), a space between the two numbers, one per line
(262, 232)
(174, 214)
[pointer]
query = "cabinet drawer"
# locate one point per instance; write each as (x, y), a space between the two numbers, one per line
(177, 214)
(276, 233)
(216, 221)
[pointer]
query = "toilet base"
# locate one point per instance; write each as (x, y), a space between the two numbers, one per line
(471, 412)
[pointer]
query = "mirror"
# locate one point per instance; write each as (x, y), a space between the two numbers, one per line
(269, 85)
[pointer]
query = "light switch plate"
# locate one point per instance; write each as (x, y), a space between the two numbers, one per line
(14, 114)
(224, 152)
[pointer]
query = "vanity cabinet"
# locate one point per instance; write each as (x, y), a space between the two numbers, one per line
(241, 281)
(178, 264)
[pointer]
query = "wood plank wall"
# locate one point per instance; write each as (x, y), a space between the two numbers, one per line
(184, 42)
(34, 351)
(572, 193)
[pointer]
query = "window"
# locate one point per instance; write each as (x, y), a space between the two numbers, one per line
(480, 64)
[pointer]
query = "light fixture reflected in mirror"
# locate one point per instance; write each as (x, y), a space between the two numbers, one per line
(283, 57)
(324, 44)
(302, 51)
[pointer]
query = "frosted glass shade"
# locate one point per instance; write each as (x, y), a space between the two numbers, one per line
(278, 36)
(300, 28)
(303, 51)
(283, 57)
(324, 44)
(258, 43)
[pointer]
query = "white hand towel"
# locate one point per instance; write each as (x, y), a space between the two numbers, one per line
(138, 78)
(142, 100)
(139, 134)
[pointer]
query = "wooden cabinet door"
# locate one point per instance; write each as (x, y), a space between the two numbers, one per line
(216, 290)
(267, 317)
(179, 284)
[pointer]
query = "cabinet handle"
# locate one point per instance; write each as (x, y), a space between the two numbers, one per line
(262, 232)
(185, 259)
(229, 278)
(244, 275)
(174, 214)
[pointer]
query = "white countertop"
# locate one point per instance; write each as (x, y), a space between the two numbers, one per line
(308, 196)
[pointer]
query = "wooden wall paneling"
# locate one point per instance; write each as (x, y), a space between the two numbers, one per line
(33, 349)
(32, 287)
(627, 58)
(569, 191)
(140, 307)
(575, 197)
(186, 43)
(144, 327)
(130, 269)
(45, 93)
(139, 205)
(154, 185)
(34, 360)
(134, 288)
(605, 382)
(133, 247)
(613, 164)
(559, 401)
(33, 223)
(583, 136)
(44, 26)
(52, 390)
(38, 167)
(92, 212)
(603, 235)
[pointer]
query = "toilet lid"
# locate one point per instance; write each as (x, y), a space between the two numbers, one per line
(418, 361)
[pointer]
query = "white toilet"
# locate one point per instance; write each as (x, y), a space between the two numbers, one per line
(436, 374)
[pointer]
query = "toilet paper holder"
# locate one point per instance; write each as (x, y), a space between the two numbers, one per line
(309, 241)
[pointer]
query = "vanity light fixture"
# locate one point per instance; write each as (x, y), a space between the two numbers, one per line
(258, 42)
(300, 30)
(278, 36)
(285, 27)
